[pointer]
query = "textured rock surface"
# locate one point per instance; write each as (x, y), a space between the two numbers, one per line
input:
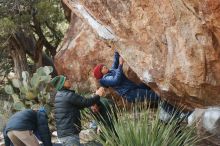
(80, 51)
(172, 45)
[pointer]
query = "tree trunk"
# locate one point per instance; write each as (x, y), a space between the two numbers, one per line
(38, 50)
(19, 57)
(23, 44)
(39, 32)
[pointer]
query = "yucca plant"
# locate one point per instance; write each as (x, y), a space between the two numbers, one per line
(146, 130)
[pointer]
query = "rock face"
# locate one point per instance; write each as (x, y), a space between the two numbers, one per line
(80, 51)
(173, 46)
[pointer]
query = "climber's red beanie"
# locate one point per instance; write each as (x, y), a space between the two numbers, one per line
(97, 71)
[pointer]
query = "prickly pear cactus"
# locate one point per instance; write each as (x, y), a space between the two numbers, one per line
(32, 91)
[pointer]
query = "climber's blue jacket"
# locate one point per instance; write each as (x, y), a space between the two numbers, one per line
(116, 79)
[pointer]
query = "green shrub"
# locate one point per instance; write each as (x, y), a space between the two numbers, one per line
(31, 92)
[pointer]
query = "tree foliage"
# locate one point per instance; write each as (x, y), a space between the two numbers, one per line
(40, 18)
(33, 28)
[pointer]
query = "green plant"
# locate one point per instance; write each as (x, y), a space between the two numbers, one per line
(32, 91)
(146, 130)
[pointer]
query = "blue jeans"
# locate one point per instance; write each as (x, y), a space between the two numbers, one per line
(142, 94)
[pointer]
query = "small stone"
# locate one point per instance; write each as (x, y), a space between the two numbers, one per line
(87, 135)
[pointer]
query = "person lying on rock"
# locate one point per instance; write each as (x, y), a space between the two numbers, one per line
(116, 79)
(22, 125)
(67, 110)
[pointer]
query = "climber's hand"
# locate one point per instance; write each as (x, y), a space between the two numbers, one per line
(100, 91)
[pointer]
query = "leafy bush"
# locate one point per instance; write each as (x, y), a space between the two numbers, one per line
(146, 130)
(31, 91)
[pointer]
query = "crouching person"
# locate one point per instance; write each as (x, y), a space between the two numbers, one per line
(67, 111)
(22, 125)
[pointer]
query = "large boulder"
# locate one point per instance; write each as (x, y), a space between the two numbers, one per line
(80, 51)
(173, 46)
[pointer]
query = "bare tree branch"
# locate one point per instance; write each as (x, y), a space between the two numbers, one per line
(39, 32)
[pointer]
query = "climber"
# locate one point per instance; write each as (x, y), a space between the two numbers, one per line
(130, 91)
(116, 79)
(22, 126)
(67, 110)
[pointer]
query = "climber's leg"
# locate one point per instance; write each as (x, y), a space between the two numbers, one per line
(141, 95)
(168, 111)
